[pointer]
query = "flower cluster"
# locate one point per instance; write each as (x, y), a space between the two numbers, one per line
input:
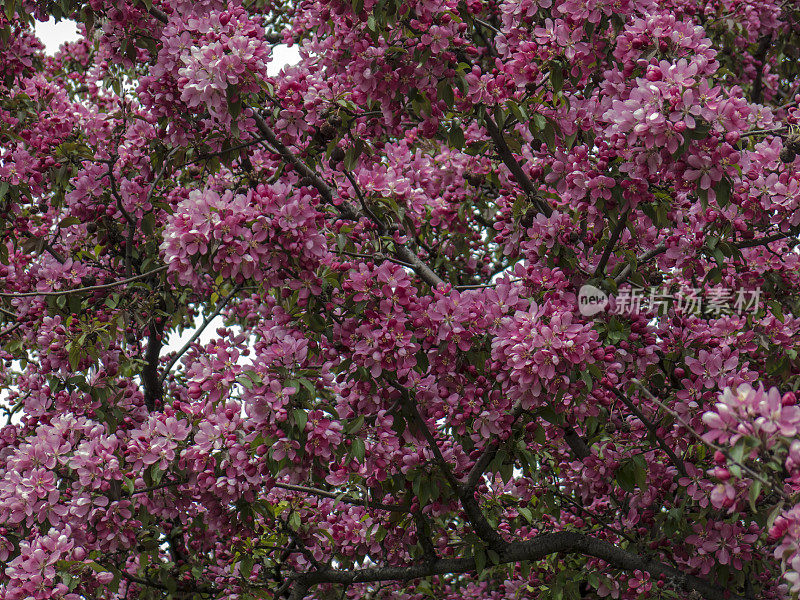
(209, 60)
(537, 350)
(766, 415)
(242, 236)
(765, 422)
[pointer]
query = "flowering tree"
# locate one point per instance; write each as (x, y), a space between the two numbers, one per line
(509, 293)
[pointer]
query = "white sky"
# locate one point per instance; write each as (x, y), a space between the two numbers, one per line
(54, 34)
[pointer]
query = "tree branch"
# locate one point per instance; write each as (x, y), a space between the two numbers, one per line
(153, 388)
(612, 241)
(576, 443)
(91, 288)
(776, 237)
(516, 170)
(673, 458)
(160, 174)
(757, 91)
(623, 275)
(467, 497)
(346, 499)
(480, 466)
(46, 246)
(767, 484)
(344, 208)
(543, 545)
(199, 331)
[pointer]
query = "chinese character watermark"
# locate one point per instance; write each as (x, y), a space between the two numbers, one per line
(689, 300)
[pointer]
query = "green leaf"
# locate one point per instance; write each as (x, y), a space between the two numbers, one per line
(626, 476)
(755, 492)
(723, 191)
(234, 101)
(352, 154)
(445, 92)
(300, 418)
(640, 471)
(776, 309)
(586, 377)
(67, 222)
(157, 474)
(246, 566)
(355, 425)
(74, 354)
(424, 494)
(526, 513)
(148, 223)
(455, 137)
(169, 582)
(494, 557)
(736, 453)
(774, 514)
(549, 136)
(358, 449)
(480, 560)
(557, 77)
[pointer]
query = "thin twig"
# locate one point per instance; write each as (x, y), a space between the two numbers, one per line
(5, 332)
(345, 209)
(377, 256)
(712, 445)
(346, 499)
(46, 246)
(161, 173)
(200, 330)
(762, 131)
(213, 154)
(381, 225)
(153, 488)
(651, 428)
(91, 288)
(612, 241)
(623, 275)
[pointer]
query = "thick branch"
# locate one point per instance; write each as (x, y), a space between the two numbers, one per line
(576, 443)
(763, 241)
(563, 542)
(153, 390)
(346, 209)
